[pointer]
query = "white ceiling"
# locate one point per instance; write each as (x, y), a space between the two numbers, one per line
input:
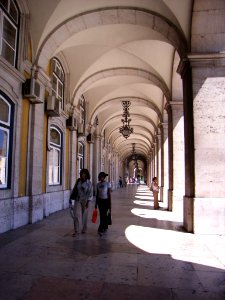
(116, 50)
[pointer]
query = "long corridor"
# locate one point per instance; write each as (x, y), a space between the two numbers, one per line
(145, 255)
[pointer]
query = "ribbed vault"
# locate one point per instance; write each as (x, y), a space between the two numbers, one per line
(112, 51)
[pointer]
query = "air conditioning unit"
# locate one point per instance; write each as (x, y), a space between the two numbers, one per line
(90, 138)
(71, 123)
(53, 106)
(31, 90)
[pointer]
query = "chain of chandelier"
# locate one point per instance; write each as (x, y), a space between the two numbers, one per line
(126, 130)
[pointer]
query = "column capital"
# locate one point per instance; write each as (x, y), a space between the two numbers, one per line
(176, 102)
(183, 66)
(164, 125)
(206, 59)
(177, 105)
(167, 107)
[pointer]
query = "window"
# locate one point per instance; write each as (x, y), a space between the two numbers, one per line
(6, 117)
(80, 156)
(9, 27)
(55, 156)
(58, 79)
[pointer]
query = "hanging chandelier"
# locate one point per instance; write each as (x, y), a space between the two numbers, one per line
(126, 130)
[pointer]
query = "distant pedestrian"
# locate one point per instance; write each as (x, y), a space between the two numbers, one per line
(120, 182)
(155, 189)
(103, 201)
(82, 194)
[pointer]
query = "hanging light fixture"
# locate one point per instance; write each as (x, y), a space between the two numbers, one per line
(126, 130)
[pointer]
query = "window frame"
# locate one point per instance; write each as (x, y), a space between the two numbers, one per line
(5, 15)
(55, 148)
(56, 64)
(8, 127)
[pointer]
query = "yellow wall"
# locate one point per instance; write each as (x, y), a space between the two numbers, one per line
(24, 147)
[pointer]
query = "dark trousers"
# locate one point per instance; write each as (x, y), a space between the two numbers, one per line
(103, 206)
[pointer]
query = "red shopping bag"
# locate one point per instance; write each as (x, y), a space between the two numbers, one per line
(94, 216)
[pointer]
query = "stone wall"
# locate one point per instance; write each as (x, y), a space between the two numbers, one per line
(18, 212)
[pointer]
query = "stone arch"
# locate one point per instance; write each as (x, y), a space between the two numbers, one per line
(82, 87)
(109, 16)
(142, 149)
(137, 139)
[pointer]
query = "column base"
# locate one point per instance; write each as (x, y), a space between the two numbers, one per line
(209, 216)
(170, 200)
(188, 213)
(204, 215)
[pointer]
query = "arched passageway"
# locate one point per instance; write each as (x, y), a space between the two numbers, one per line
(91, 86)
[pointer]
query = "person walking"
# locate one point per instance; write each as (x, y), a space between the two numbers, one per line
(82, 194)
(120, 182)
(155, 190)
(103, 201)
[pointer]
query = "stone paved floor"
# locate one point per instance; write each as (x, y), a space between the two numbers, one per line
(145, 255)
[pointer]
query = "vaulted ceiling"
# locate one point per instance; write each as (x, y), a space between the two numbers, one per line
(116, 50)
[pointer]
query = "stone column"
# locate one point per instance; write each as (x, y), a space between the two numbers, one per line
(178, 154)
(161, 163)
(153, 160)
(35, 163)
(170, 157)
(156, 167)
(185, 70)
(90, 167)
(165, 165)
(159, 143)
(73, 158)
(209, 134)
(96, 159)
(149, 178)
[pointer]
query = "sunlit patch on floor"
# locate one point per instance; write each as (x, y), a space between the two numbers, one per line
(143, 197)
(152, 240)
(160, 214)
(144, 194)
(176, 244)
(144, 203)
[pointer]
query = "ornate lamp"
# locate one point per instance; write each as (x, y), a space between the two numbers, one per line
(126, 130)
